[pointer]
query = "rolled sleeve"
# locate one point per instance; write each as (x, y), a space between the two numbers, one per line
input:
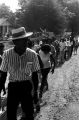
(4, 64)
(36, 65)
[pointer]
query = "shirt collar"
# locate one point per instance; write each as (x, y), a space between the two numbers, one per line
(20, 55)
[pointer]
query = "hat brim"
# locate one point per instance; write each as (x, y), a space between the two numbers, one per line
(4, 41)
(23, 36)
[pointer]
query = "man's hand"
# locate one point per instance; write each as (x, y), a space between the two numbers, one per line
(0, 101)
(3, 76)
(4, 92)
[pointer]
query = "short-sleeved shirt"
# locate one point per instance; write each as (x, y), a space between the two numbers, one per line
(20, 67)
(62, 46)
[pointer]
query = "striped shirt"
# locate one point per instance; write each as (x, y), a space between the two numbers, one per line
(19, 67)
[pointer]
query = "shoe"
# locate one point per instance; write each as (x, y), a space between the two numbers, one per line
(22, 118)
(1, 111)
(40, 101)
(37, 108)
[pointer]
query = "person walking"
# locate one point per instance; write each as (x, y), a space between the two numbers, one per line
(20, 62)
(62, 53)
(45, 66)
(75, 46)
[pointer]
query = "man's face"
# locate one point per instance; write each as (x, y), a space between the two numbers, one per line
(20, 42)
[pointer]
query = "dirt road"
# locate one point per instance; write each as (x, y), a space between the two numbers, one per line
(63, 95)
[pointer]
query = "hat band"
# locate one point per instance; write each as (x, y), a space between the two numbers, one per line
(19, 34)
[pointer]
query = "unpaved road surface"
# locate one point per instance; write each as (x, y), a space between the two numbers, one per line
(62, 98)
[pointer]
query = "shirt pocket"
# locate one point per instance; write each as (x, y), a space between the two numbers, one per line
(28, 68)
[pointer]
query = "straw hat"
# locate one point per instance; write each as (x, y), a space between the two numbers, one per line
(19, 33)
(4, 41)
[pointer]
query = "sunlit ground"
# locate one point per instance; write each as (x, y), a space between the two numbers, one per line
(63, 95)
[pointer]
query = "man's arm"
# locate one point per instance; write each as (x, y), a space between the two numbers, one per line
(39, 76)
(36, 78)
(3, 70)
(3, 76)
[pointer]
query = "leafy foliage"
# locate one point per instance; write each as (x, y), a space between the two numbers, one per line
(71, 8)
(74, 21)
(5, 12)
(36, 14)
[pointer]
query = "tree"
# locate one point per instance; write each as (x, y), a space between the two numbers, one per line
(72, 12)
(74, 21)
(36, 14)
(5, 12)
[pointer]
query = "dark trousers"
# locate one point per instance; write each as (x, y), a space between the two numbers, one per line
(35, 83)
(20, 92)
(36, 97)
(44, 82)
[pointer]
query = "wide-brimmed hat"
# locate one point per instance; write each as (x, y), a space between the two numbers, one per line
(4, 41)
(19, 33)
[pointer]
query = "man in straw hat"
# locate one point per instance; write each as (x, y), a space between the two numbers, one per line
(20, 62)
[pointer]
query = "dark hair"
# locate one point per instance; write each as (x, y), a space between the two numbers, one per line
(1, 45)
(1, 48)
(30, 43)
(46, 48)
